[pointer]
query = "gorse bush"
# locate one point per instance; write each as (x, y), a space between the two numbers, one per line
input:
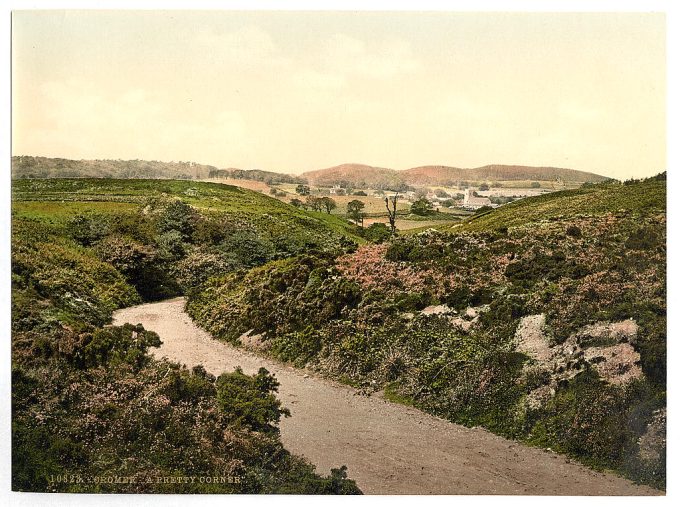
(250, 401)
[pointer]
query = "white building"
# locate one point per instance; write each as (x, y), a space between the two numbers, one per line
(472, 202)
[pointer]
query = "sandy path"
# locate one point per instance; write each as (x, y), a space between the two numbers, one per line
(388, 448)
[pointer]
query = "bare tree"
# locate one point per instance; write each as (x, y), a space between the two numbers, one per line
(392, 213)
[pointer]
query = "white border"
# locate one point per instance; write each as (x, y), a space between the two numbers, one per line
(673, 84)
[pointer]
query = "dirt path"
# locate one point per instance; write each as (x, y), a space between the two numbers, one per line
(388, 448)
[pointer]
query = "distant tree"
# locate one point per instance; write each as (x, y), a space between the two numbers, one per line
(484, 187)
(496, 184)
(391, 205)
(449, 203)
(360, 192)
(441, 193)
(296, 202)
(314, 203)
(421, 207)
(355, 211)
(302, 189)
(328, 203)
(535, 184)
(272, 191)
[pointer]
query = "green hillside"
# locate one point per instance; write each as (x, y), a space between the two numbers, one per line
(55, 199)
(88, 401)
(642, 198)
(543, 321)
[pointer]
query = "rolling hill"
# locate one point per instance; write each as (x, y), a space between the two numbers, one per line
(361, 176)
(442, 175)
(348, 175)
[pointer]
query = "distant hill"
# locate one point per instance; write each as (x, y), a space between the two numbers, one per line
(43, 167)
(443, 175)
(359, 175)
(346, 175)
(356, 175)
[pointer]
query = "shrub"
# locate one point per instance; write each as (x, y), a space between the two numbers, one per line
(298, 347)
(115, 345)
(199, 266)
(250, 401)
(421, 207)
(87, 229)
(376, 232)
(574, 231)
(178, 217)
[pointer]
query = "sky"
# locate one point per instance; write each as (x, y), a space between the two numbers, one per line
(297, 91)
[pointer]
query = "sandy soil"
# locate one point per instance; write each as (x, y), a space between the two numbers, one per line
(388, 448)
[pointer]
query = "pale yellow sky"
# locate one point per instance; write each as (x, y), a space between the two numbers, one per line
(294, 91)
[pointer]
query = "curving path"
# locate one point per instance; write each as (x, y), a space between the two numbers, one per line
(388, 448)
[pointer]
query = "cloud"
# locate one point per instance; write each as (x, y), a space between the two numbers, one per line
(84, 122)
(249, 47)
(353, 57)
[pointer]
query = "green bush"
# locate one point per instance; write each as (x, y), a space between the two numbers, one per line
(87, 229)
(376, 233)
(250, 401)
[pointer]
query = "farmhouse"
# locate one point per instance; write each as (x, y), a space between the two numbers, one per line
(472, 202)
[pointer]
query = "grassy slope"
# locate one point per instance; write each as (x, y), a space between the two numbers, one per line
(64, 291)
(647, 197)
(579, 257)
(58, 199)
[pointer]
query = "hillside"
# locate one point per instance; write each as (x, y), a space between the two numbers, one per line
(43, 167)
(441, 175)
(543, 321)
(89, 401)
(643, 198)
(355, 175)
(363, 176)
(347, 175)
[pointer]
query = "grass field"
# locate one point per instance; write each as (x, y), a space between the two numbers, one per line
(50, 199)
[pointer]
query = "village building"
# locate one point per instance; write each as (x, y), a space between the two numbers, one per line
(472, 202)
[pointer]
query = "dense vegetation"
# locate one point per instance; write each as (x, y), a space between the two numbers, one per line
(543, 320)
(43, 167)
(443, 320)
(268, 177)
(92, 410)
